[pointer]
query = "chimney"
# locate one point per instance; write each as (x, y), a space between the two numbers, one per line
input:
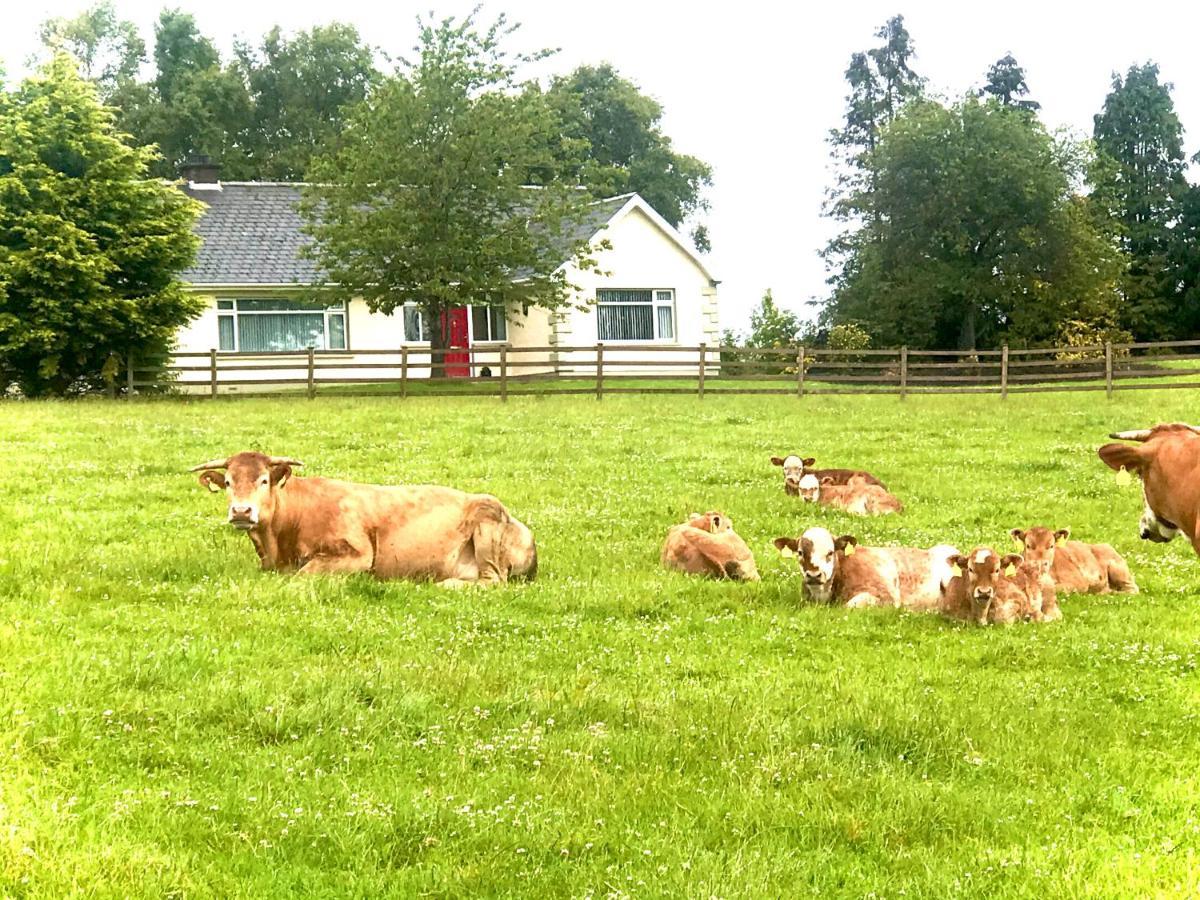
(200, 173)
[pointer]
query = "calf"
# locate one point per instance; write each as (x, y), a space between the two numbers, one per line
(707, 545)
(837, 570)
(422, 532)
(857, 496)
(1168, 463)
(795, 468)
(987, 588)
(1075, 567)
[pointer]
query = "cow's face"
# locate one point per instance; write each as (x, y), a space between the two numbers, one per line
(981, 571)
(250, 480)
(817, 553)
(793, 471)
(1153, 528)
(810, 488)
(1038, 545)
(1135, 460)
(713, 522)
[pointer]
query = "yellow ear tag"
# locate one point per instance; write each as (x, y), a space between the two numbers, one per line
(786, 551)
(1018, 541)
(1123, 477)
(849, 551)
(1010, 570)
(1059, 541)
(956, 570)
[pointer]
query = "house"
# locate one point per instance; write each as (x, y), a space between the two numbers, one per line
(652, 291)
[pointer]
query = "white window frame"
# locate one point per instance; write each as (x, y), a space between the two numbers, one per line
(473, 338)
(422, 338)
(227, 308)
(656, 302)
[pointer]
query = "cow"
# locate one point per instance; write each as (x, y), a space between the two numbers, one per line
(418, 532)
(856, 496)
(1168, 463)
(990, 589)
(837, 570)
(1075, 567)
(795, 467)
(707, 545)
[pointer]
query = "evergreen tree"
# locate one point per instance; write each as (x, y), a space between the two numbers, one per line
(1006, 82)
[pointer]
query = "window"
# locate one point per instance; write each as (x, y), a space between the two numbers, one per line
(626, 315)
(488, 323)
(416, 325)
(262, 326)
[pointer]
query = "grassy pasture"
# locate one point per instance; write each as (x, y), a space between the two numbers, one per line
(174, 723)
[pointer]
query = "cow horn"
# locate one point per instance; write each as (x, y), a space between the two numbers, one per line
(283, 461)
(1142, 434)
(211, 464)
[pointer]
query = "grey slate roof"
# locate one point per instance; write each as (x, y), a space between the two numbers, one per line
(251, 234)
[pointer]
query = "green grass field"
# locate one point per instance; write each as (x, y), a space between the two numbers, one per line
(175, 723)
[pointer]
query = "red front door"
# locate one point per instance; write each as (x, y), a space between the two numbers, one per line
(458, 357)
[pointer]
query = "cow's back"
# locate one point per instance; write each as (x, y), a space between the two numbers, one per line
(843, 476)
(868, 570)
(1078, 569)
(923, 574)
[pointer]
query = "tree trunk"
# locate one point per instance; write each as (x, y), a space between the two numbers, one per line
(439, 340)
(966, 335)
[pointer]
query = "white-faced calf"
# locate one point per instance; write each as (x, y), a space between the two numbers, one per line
(796, 467)
(857, 497)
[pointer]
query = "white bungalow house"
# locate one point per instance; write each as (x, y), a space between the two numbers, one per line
(655, 292)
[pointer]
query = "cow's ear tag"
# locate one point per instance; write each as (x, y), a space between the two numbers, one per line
(1059, 541)
(1010, 570)
(849, 551)
(1018, 541)
(787, 551)
(956, 570)
(1123, 477)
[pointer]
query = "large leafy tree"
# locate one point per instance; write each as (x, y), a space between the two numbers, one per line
(428, 199)
(624, 147)
(1140, 181)
(109, 50)
(90, 245)
(978, 236)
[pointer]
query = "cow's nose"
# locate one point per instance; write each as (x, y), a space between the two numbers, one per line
(239, 512)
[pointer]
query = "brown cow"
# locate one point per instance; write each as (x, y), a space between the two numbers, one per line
(1075, 567)
(987, 588)
(839, 571)
(707, 545)
(1168, 463)
(856, 496)
(421, 532)
(794, 468)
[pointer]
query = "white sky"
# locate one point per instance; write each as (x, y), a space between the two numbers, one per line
(754, 87)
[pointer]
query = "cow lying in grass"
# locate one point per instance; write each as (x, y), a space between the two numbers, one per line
(1168, 463)
(707, 545)
(1075, 567)
(837, 570)
(795, 468)
(420, 532)
(989, 589)
(856, 496)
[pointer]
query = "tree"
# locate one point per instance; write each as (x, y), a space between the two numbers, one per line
(301, 89)
(979, 235)
(109, 50)
(624, 147)
(1006, 82)
(1140, 181)
(90, 246)
(428, 200)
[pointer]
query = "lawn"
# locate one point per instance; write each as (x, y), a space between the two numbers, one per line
(175, 723)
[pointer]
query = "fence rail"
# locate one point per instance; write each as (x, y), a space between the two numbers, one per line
(504, 371)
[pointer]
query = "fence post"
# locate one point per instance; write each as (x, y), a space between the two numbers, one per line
(129, 375)
(800, 372)
(212, 372)
(114, 369)
(312, 388)
(403, 371)
(904, 372)
(703, 364)
(1108, 370)
(599, 371)
(504, 373)
(1004, 372)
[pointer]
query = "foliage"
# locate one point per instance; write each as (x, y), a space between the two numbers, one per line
(1077, 333)
(972, 232)
(1140, 183)
(624, 148)
(771, 326)
(89, 245)
(109, 50)
(427, 200)
(1006, 82)
(848, 336)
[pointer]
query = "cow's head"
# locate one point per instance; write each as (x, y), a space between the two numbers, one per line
(981, 572)
(713, 522)
(793, 470)
(251, 481)
(1136, 460)
(1038, 544)
(809, 488)
(817, 552)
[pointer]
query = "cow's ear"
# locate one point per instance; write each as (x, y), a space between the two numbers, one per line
(1061, 535)
(280, 474)
(777, 460)
(787, 546)
(846, 540)
(213, 480)
(1122, 456)
(827, 479)
(808, 462)
(1018, 535)
(1010, 562)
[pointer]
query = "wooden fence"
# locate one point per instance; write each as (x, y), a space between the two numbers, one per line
(503, 370)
